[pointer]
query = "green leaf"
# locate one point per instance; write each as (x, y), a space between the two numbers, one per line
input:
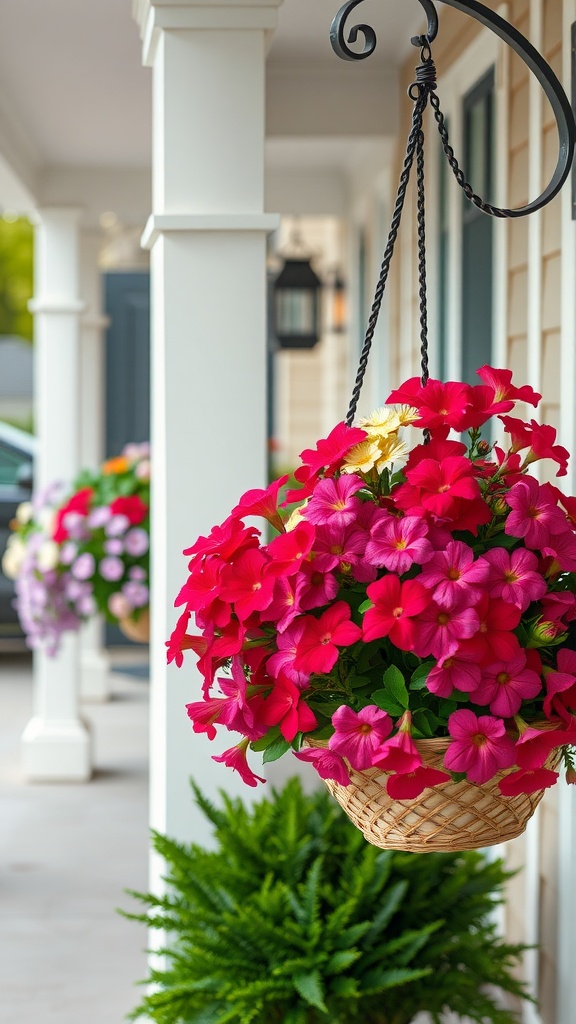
(365, 606)
(396, 687)
(275, 750)
(421, 721)
(271, 736)
(309, 986)
(342, 959)
(420, 675)
(383, 701)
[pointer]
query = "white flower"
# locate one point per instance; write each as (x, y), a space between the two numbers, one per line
(24, 513)
(13, 557)
(47, 520)
(48, 556)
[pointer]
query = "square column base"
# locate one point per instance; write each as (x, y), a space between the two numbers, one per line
(56, 750)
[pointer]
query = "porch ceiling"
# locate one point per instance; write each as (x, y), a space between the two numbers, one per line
(73, 93)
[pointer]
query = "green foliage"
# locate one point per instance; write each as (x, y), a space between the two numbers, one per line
(16, 277)
(295, 919)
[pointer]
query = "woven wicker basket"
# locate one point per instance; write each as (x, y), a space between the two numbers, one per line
(454, 816)
(137, 630)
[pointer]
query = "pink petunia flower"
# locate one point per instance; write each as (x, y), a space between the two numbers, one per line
(542, 447)
(479, 747)
(285, 707)
(460, 671)
(526, 781)
(285, 605)
(225, 540)
(399, 754)
(317, 649)
(514, 576)
(339, 547)
(397, 543)
(534, 746)
(396, 607)
(235, 758)
(411, 785)
(327, 763)
(440, 630)
(318, 588)
(359, 735)
(562, 548)
(454, 575)
(333, 501)
(283, 660)
(534, 515)
(561, 685)
(506, 685)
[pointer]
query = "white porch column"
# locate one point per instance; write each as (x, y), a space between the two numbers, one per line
(207, 238)
(56, 743)
(94, 662)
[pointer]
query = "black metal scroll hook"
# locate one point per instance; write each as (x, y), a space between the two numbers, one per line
(528, 53)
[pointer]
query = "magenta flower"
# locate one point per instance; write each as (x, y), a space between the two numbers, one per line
(333, 501)
(396, 544)
(440, 630)
(526, 781)
(327, 763)
(562, 548)
(396, 606)
(283, 660)
(359, 735)
(440, 484)
(479, 747)
(235, 758)
(285, 604)
(285, 707)
(330, 451)
(454, 576)
(534, 746)
(495, 640)
(319, 588)
(460, 671)
(317, 649)
(409, 785)
(561, 685)
(399, 754)
(506, 685)
(534, 515)
(514, 576)
(340, 547)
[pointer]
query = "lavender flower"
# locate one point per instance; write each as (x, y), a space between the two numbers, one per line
(117, 525)
(137, 593)
(99, 517)
(114, 546)
(136, 572)
(84, 566)
(136, 542)
(111, 569)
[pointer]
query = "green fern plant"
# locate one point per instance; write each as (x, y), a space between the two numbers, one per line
(295, 919)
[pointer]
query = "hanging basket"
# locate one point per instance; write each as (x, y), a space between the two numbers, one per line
(137, 630)
(451, 817)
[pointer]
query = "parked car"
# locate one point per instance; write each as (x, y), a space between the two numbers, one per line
(17, 451)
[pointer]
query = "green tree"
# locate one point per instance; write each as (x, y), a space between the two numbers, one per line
(16, 276)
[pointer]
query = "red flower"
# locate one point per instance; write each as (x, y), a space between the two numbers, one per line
(226, 540)
(440, 405)
(80, 503)
(317, 649)
(501, 382)
(181, 641)
(396, 606)
(525, 781)
(482, 405)
(288, 551)
(535, 745)
(132, 507)
(495, 640)
(410, 785)
(329, 453)
(438, 484)
(247, 585)
(285, 707)
(262, 503)
(235, 758)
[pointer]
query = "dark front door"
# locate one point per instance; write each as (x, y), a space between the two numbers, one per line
(127, 304)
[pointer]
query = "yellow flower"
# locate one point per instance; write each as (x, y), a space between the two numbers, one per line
(382, 422)
(391, 450)
(406, 414)
(362, 457)
(296, 517)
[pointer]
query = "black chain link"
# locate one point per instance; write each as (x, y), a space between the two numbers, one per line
(420, 91)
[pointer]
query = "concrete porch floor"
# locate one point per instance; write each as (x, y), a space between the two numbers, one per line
(67, 852)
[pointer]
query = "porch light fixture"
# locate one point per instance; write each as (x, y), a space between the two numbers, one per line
(297, 305)
(338, 316)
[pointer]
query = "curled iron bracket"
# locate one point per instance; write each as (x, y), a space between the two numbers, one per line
(528, 53)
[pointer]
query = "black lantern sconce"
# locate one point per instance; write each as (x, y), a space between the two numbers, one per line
(297, 305)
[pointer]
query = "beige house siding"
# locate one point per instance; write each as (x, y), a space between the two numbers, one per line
(533, 254)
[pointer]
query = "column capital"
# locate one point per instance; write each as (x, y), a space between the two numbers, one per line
(69, 214)
(154, 16)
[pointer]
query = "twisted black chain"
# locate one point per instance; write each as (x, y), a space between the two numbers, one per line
(420, 91)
